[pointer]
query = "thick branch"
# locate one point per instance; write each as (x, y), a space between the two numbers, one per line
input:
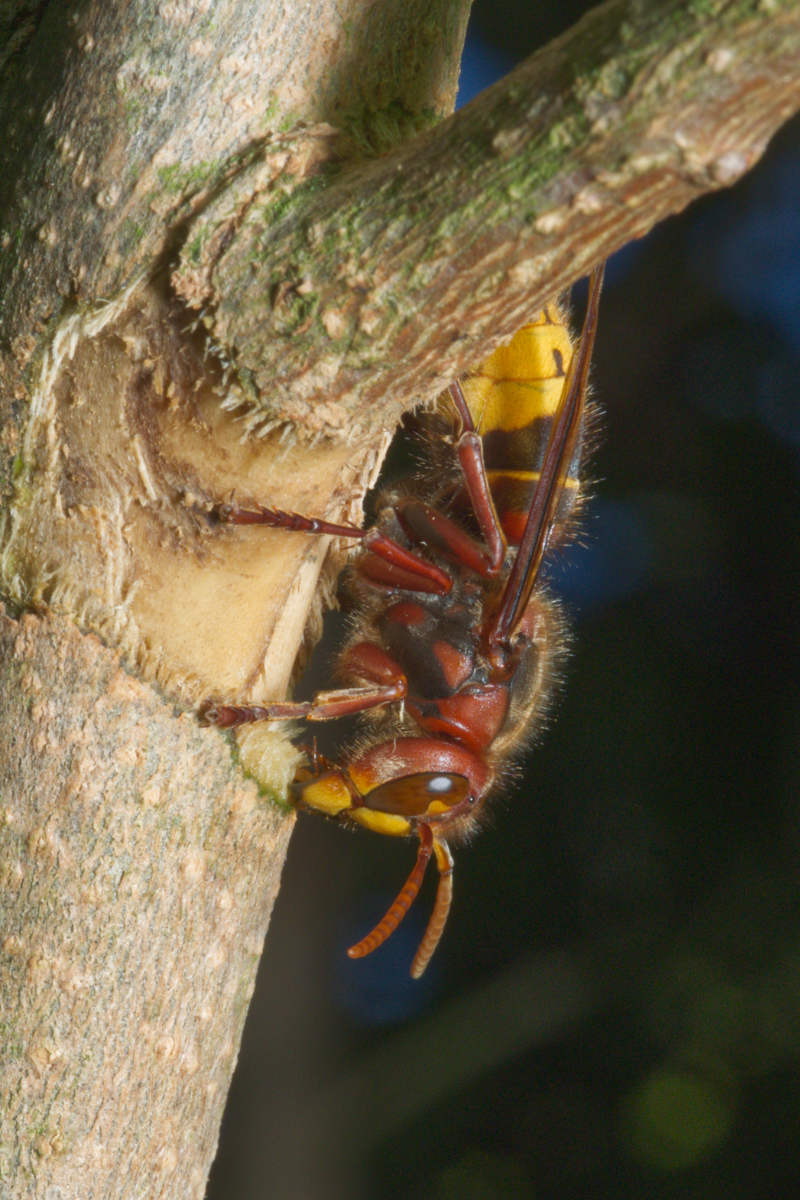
(137, 866)
(122, 119)
(368, 287)
(130, 438)
(137, 876)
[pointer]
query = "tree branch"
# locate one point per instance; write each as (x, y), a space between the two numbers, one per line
(353, 292)
(121, 120)
(137, 865)
(137, 879)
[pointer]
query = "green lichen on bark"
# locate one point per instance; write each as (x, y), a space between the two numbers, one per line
(577, 130)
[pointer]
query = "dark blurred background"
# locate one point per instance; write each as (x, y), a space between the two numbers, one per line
(615, 1007)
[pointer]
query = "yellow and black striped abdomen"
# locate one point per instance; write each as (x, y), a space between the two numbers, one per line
(513, 397)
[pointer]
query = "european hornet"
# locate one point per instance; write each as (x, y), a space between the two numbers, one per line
(456, 643)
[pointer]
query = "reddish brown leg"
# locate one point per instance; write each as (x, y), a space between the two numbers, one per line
(412, 565)
(470, 455)
(386, 684)
(441, 909)
(402, 904)
(276, 518)
(426, 524)
(319, 762)
(326, 706)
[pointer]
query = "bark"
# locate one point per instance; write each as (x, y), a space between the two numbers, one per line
(218, 219)
(138, 873)
(139, 864)
(382, 283)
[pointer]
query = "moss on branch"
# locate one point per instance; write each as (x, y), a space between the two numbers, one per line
(370, 285)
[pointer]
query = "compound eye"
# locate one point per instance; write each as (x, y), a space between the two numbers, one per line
(413, 795)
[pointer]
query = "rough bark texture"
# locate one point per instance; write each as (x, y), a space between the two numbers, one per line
(165, 154)
(138, 863)
(385, 282)
(138, 875)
